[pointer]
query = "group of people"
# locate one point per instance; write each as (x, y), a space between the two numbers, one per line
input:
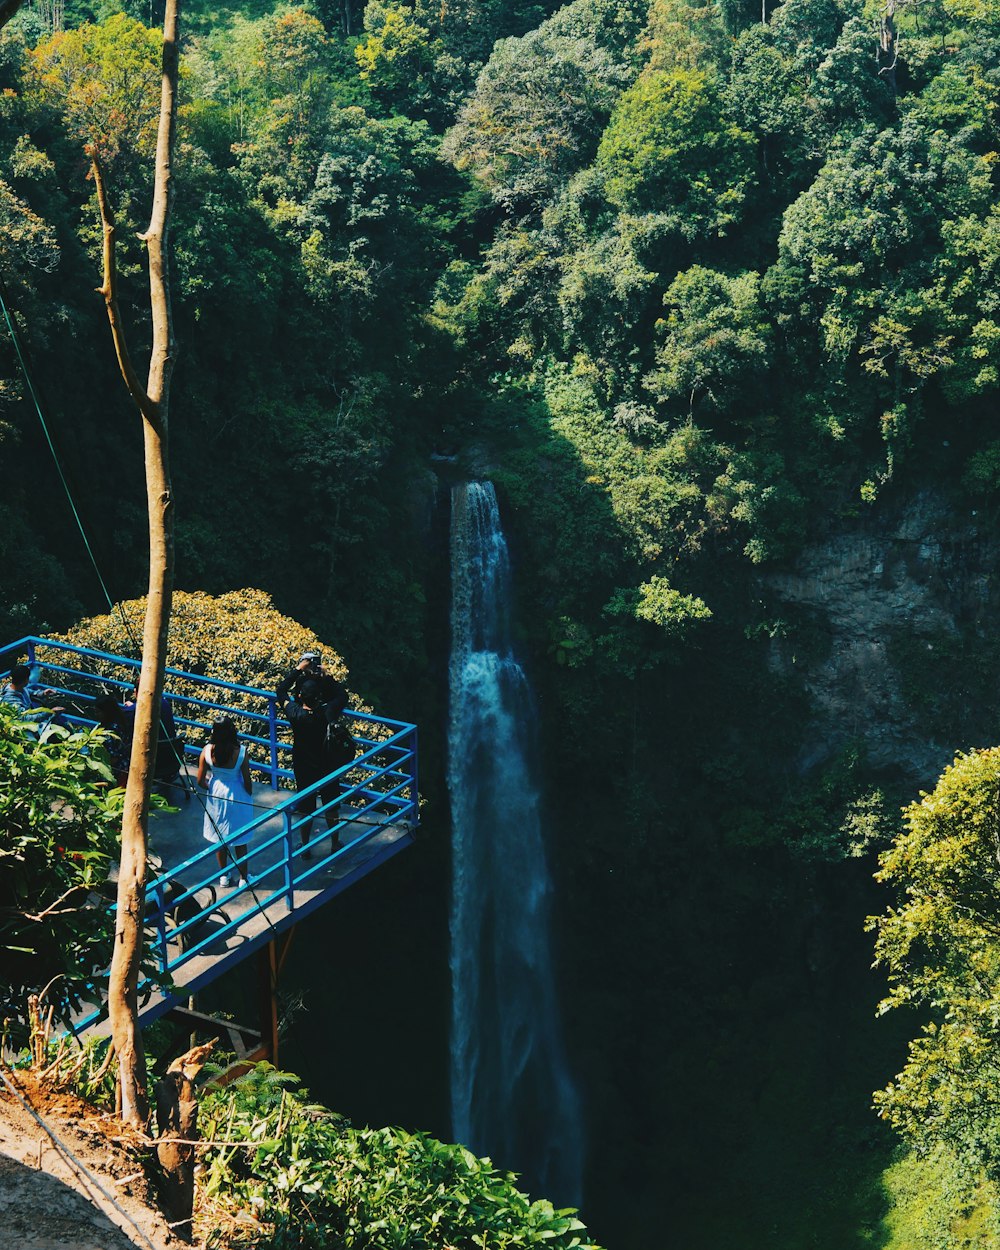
(312, 700)
(310, 697)
(36, 705)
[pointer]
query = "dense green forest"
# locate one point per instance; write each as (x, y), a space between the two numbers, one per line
(712, 294)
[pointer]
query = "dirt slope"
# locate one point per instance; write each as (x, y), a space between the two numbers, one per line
(46, 1204)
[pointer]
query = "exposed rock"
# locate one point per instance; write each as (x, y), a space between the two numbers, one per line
(879, 592)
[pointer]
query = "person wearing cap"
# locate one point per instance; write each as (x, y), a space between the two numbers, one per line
(310, 668)
(304, 695)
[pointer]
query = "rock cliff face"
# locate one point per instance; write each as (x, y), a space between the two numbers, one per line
(905, 608)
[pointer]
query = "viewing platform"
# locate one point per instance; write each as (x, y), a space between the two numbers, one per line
(198, 930)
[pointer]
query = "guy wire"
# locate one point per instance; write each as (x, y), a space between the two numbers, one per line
(71, 1159)
(113, 604)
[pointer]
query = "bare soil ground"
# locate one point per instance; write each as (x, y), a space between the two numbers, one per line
(50, 1203)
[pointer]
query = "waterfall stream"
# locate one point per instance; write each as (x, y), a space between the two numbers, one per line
(511, 1093)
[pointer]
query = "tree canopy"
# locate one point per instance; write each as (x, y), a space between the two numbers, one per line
(941, 947)
(701, 287)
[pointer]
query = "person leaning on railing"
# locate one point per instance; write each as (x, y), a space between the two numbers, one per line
(110, 715)
(309, 697)
(170, 745)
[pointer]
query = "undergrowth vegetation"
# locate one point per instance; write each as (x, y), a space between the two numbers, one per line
(314, 1181)
(59, 823)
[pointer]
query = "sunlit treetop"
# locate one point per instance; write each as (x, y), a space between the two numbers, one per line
(105, 79)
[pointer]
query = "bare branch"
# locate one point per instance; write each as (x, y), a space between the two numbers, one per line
(109, 289)
(53, 909)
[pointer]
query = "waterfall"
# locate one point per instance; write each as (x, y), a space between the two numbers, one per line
(511, 1094)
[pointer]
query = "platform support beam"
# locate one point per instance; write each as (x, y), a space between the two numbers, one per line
(267, 997)
(249, 1045)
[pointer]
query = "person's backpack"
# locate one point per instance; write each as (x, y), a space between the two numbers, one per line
(338, 743)
(333, 695)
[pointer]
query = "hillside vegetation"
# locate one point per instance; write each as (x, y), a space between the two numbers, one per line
(699, 287)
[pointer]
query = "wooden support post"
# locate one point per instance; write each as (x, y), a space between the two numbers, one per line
(267, 981)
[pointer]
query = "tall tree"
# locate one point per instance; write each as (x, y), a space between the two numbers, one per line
(153, 404)
(940, 946)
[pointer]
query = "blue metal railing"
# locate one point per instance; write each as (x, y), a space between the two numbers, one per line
(377, 798)
(377, 789)
(272, 744)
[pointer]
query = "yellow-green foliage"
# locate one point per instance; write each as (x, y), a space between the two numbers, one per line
(934, 1207)
(669, 149)
(238, 637)
(396, 46)
(106, 79)
(941, 947)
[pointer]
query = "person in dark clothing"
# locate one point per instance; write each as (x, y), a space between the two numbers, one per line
(307, 715)
(310, 667)
(168, 727)
(169, 747)
(110, 715)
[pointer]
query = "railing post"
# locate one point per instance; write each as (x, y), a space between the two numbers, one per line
(272, 716)
(289, 879)
(31, 650)
(161, 921)
(414, 788)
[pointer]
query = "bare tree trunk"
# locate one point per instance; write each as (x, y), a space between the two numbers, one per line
(888, 54)
(177, 1122)
(153, 406)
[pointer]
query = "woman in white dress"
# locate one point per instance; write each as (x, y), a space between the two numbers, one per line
(223, 770)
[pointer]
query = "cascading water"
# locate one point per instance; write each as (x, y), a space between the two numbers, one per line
(511, 1094)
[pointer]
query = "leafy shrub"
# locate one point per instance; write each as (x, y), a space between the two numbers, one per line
(715, 340)
(313, 1181)
(982, 474)
(755, 495)
(237, 637)
(59, 821)
(668, 149)
(939, 946)
(936, 1206)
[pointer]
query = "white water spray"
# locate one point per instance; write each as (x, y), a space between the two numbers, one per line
(511, 1094)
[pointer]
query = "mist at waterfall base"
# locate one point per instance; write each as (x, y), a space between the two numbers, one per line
(511, 1094)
